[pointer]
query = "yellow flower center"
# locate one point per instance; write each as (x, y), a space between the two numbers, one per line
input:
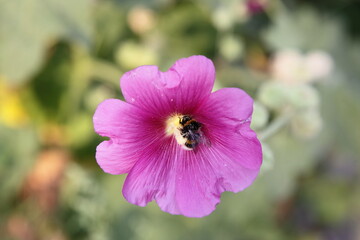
(173, 128)
(185, 129)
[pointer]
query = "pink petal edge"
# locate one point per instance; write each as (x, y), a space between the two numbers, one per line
(121, 122)
(227, 117)
(185, 84)
(185, 182)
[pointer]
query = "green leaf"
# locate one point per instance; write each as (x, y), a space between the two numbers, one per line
(297, 30)
(341, 114)
(278, 96)
(187, 30)
(260, 116)
(27, 28)
(18, 149)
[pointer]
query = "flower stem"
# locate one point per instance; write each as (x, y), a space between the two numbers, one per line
(274, 127)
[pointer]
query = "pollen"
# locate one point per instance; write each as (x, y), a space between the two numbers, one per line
(186, 130)
(173, 127)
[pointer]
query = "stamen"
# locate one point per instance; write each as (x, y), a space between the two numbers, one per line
(173, 127)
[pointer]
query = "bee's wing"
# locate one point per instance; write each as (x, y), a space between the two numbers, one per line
(203, 139)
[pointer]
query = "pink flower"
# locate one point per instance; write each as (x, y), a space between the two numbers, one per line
(256, 6)
(180, 144)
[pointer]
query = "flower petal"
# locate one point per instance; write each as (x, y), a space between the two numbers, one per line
(204, 175)
(181, 88)
(122, 123)
(226, 118)
(185, 182)
(153, 177)
(114, 158)
(114, 118)
(231, 105)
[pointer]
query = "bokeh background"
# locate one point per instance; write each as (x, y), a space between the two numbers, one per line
(299, 59)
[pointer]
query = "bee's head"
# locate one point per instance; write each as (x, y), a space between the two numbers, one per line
(183, 119)
(182, 127)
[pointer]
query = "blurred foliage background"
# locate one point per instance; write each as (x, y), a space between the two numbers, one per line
(298, 59)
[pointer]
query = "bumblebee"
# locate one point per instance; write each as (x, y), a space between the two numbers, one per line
(191, 131)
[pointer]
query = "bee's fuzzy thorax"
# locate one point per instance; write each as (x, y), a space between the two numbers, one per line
(185, 129)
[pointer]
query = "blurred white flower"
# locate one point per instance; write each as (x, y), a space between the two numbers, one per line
(231, 47)
(230, 12)
(287, 67)
(222, 19)
(141, 19)
(292, 67)
(319, 64)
